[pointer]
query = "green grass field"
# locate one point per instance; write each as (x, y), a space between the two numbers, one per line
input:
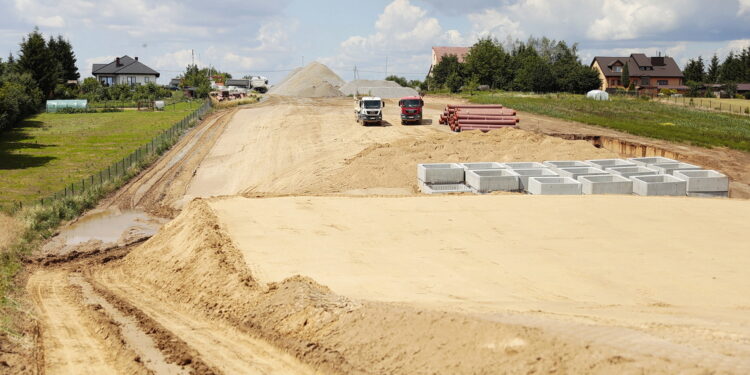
(741, 106)
(636, 116)
(48, 151)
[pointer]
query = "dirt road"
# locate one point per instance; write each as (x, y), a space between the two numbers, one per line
(311, 252)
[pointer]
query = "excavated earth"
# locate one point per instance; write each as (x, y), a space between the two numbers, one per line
(295, 242)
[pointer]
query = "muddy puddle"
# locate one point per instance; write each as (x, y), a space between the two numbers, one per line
(104, 228)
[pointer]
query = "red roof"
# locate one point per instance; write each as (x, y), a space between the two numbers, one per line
(441, 52)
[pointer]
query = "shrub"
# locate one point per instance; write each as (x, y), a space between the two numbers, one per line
(70, 110)
(747, 95)
(112, 109)
(645, 97)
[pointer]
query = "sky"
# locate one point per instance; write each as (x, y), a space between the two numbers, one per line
(270, 38)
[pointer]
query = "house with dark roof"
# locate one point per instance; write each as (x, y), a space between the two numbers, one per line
(125, 70)
(438, 53)
(647, 73)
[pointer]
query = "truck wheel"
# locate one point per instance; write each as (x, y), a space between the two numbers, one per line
(403, 122)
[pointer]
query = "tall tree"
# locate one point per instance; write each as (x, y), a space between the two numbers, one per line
(625, 76)
(731, 69)
(448, 65)
(712, 75)
(37, 59)
(695, 70)
(62, 51)
(487, 62)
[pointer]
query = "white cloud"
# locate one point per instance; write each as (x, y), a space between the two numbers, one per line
(176, 60)
(54, 21)
(744, 7)
(632, 19)
(244, 62)
(492, 23)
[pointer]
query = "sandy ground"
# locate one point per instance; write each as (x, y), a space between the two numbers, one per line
(315, 254)
(11, 228)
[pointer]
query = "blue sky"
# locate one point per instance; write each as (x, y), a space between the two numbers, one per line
(272, 37)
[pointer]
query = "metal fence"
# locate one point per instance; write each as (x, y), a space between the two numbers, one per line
(741, 107)
(119, 168)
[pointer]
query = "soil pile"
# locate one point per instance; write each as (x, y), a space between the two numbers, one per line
(382, 88)
(393, 165)
(313, 81)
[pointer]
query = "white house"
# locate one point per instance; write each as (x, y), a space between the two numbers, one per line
(125, 70)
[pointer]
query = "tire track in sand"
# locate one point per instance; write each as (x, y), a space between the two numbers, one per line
(70, 346)
(220, 346)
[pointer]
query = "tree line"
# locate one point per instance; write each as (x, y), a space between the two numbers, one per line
(39, 73)
(734, 69)
(537, 65)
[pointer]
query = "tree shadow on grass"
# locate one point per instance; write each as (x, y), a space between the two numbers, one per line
(13, 139)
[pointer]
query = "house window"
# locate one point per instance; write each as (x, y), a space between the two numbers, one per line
(107, 81)
(617, 68)
(131, 80)
(645, 81)
(662, 82)
(147, 79)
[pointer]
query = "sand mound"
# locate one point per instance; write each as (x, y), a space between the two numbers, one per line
(313, 81)
(393, 165)
(331, 332)
(382, 88)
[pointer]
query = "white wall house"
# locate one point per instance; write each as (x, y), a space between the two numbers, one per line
(124, 70)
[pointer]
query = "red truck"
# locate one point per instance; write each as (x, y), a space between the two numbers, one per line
(411, 109)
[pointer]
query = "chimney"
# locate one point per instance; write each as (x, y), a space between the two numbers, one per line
(136, 58)
(657, 61)
(117, 62)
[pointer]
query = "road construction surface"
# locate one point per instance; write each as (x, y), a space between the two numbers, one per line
(298, 244)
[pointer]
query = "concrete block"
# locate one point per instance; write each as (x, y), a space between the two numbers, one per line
(482, 165)
(554, 186)
(660, 184)
(440, 173)
(555, 164)
(703, 181)
(574, 173)
(524, 174)
(669, 168)
(632, 171)
(612, 184)
(603, 164)
(488, 180)
(708, 194)
(524, 165)
(443, 188)
(652, 160)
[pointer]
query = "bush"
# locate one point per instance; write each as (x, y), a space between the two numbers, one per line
(112, 109)
(645, 97)
(747, 95)
(70, 110)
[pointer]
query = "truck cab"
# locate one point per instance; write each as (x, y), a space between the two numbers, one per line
(370, 110)
(411, 109)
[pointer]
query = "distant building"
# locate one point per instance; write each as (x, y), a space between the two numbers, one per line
(646, 73)
(239, 83)
(125, 70)
(438, 53)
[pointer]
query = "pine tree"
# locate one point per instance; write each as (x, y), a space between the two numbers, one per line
(63, 53)
(695, 70)
(712, 75)
(625, 76)
(36, 58)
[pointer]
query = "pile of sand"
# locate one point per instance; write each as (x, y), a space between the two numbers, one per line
(382, 88)
(393, 165)
(313, 81)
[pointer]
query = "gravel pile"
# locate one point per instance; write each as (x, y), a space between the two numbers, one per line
(314, 80)
(381, 88)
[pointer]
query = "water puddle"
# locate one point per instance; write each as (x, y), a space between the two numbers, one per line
(109, 226)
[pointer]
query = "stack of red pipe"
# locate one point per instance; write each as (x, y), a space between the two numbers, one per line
(478, 116)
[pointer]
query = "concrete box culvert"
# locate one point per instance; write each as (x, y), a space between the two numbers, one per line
(612, 184)
(704, 180)
(524, 165)
(610, 163)
(524, 174)
(556, 164)
(443, 188)
(574, 173)
(485, 181)
(554, 186)
(670, 168)
(632, 171)
(659, 185)
(440, 173)
(482, 165)
(646, 161)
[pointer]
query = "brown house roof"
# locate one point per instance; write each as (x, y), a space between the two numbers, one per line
(460, 52)
(653, 66)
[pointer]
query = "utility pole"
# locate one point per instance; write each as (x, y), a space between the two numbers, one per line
(386, 65)
(192, 55)
(303, 60)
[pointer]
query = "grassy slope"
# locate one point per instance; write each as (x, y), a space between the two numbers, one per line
(635, 116)
(48, 151)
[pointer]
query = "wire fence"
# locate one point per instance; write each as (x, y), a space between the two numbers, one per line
(740, 107)
(119, 168)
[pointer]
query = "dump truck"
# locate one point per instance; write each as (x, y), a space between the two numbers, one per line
(370, 110)
(411, 109)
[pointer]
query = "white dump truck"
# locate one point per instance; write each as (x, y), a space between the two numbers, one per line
(259, 84)
(370, 110)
